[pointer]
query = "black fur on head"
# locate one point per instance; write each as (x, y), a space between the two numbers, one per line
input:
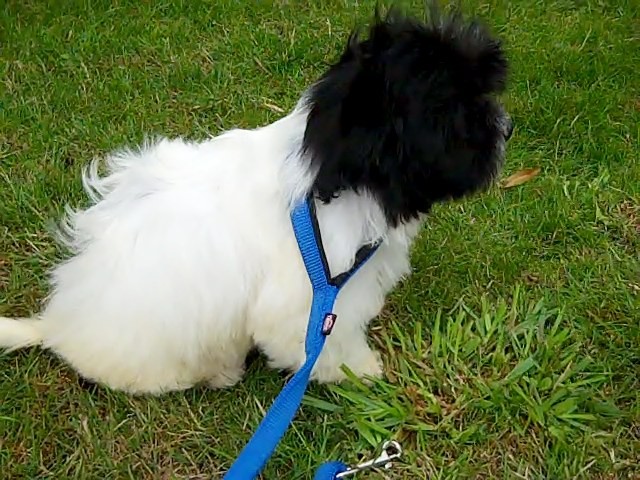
(409, 114)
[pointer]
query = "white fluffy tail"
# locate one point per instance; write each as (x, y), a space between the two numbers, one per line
(15, 334)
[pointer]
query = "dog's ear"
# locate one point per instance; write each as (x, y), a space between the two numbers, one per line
(482, 58)
(476, 60)
(484, 64)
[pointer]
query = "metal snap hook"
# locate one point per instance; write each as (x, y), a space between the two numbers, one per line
(391, 450)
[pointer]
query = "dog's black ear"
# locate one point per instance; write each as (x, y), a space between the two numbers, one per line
(483, 63)
(483, 58)
(474, 59)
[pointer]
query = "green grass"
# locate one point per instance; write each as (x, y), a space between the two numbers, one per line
(514, 350)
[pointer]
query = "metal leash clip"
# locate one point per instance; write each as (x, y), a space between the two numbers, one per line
(390, 451)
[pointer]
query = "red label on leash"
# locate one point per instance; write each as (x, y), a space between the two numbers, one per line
(329, 322)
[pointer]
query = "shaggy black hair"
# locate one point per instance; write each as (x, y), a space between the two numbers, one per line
(409, 114)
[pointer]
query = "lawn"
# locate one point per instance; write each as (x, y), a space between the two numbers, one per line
(512, 352)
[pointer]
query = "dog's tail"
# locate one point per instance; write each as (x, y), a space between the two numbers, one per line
(19, 333)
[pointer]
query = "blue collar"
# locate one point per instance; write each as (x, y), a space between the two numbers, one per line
(257, 452)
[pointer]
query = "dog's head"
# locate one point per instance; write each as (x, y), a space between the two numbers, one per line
(410, 114)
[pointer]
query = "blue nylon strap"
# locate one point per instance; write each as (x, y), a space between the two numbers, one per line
(329, 470)
(257, 452)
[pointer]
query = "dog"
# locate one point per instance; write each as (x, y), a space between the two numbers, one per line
(186, 259)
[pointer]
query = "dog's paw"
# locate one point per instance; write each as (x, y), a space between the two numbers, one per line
(371, 366)
(368, 364)
(226, 378)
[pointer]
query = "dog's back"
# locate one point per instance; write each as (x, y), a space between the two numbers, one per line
(163, 260)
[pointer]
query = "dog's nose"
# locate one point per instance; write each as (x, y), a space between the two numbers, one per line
(509, 129)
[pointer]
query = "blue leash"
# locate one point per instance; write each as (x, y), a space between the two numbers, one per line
(257, 452)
